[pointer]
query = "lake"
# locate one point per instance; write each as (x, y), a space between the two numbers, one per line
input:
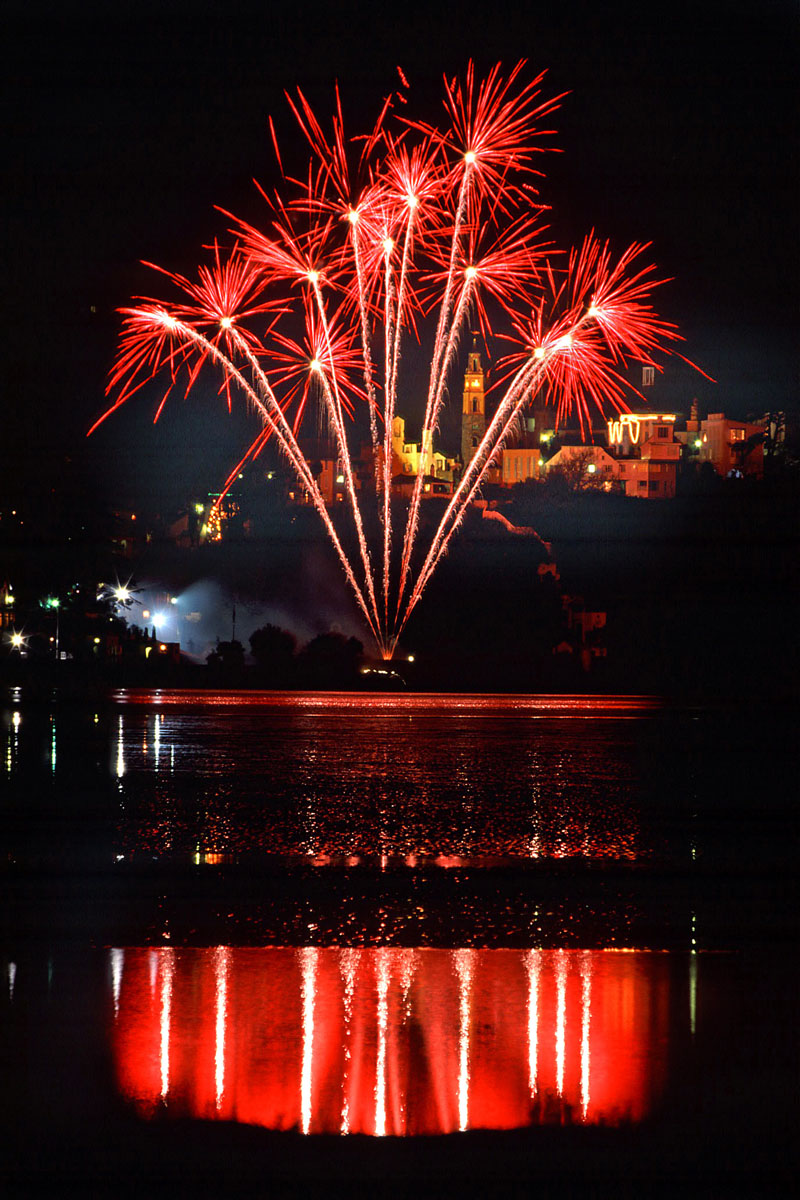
(528, 937)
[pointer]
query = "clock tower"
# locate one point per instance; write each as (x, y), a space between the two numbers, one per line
(473, 412)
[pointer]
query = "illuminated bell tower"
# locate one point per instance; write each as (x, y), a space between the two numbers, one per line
(473, 412)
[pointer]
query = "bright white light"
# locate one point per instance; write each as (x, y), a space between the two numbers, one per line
(313, 277)
(158, 619)
(122, 593)
(593, 310)
(469, 157)
(352, 216)
(388, 245)
(413, 201)
(225, 322)
(592, 467)
(315, 365)
(539, 353)
(471, 272)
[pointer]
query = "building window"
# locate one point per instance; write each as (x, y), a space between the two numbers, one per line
(653, 486)
(663, 431)
(642, 485)
(474, 443)
(475, 404)
(648, 376)
(737, 435)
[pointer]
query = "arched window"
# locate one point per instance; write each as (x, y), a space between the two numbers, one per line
(475, 442)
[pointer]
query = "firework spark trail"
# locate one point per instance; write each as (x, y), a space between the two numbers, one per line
(524, 384)
(272, 412)
(436, 222)
(412, 522)
(391, 402)
(388, 420)
(601, 296)
(369, 371)
(439, 366)
(335, 405)
(515, 399)
(289, 443)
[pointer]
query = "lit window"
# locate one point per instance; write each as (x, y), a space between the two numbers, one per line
(648, 376)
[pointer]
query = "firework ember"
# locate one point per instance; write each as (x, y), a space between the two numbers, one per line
(411, 223)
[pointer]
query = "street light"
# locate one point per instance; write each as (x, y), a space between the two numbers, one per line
(54, 604)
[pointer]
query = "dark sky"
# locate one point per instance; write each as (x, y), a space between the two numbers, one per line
(125, 123)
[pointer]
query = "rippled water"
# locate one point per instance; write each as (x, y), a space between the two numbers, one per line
(341, 778)
(395, 915)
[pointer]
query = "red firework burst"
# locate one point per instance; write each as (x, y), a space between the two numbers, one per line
(409, 221)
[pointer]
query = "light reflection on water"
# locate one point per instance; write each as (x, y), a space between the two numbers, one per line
(336, 778)
(463, 703)
(388, 1041)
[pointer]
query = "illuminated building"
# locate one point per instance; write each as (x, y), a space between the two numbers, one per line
(521, 463)
(594, 465)
(734, 448)
(473, 410)
(647, 453)
(407, 457)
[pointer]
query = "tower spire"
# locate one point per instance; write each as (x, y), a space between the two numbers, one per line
(473, 411)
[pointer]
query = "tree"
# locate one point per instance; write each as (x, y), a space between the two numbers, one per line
(274, 649)
(332, 660)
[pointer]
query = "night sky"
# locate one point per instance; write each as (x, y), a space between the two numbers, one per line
(126, 123)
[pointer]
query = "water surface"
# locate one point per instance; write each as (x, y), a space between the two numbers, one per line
(397, 915)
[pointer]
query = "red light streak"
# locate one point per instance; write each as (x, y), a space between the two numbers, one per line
(389, 1041)
(412, 221)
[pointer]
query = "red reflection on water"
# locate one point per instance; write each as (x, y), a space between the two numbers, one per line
(391, 1041)
(523, 705)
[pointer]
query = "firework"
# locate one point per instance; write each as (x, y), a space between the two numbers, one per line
(410, 224)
